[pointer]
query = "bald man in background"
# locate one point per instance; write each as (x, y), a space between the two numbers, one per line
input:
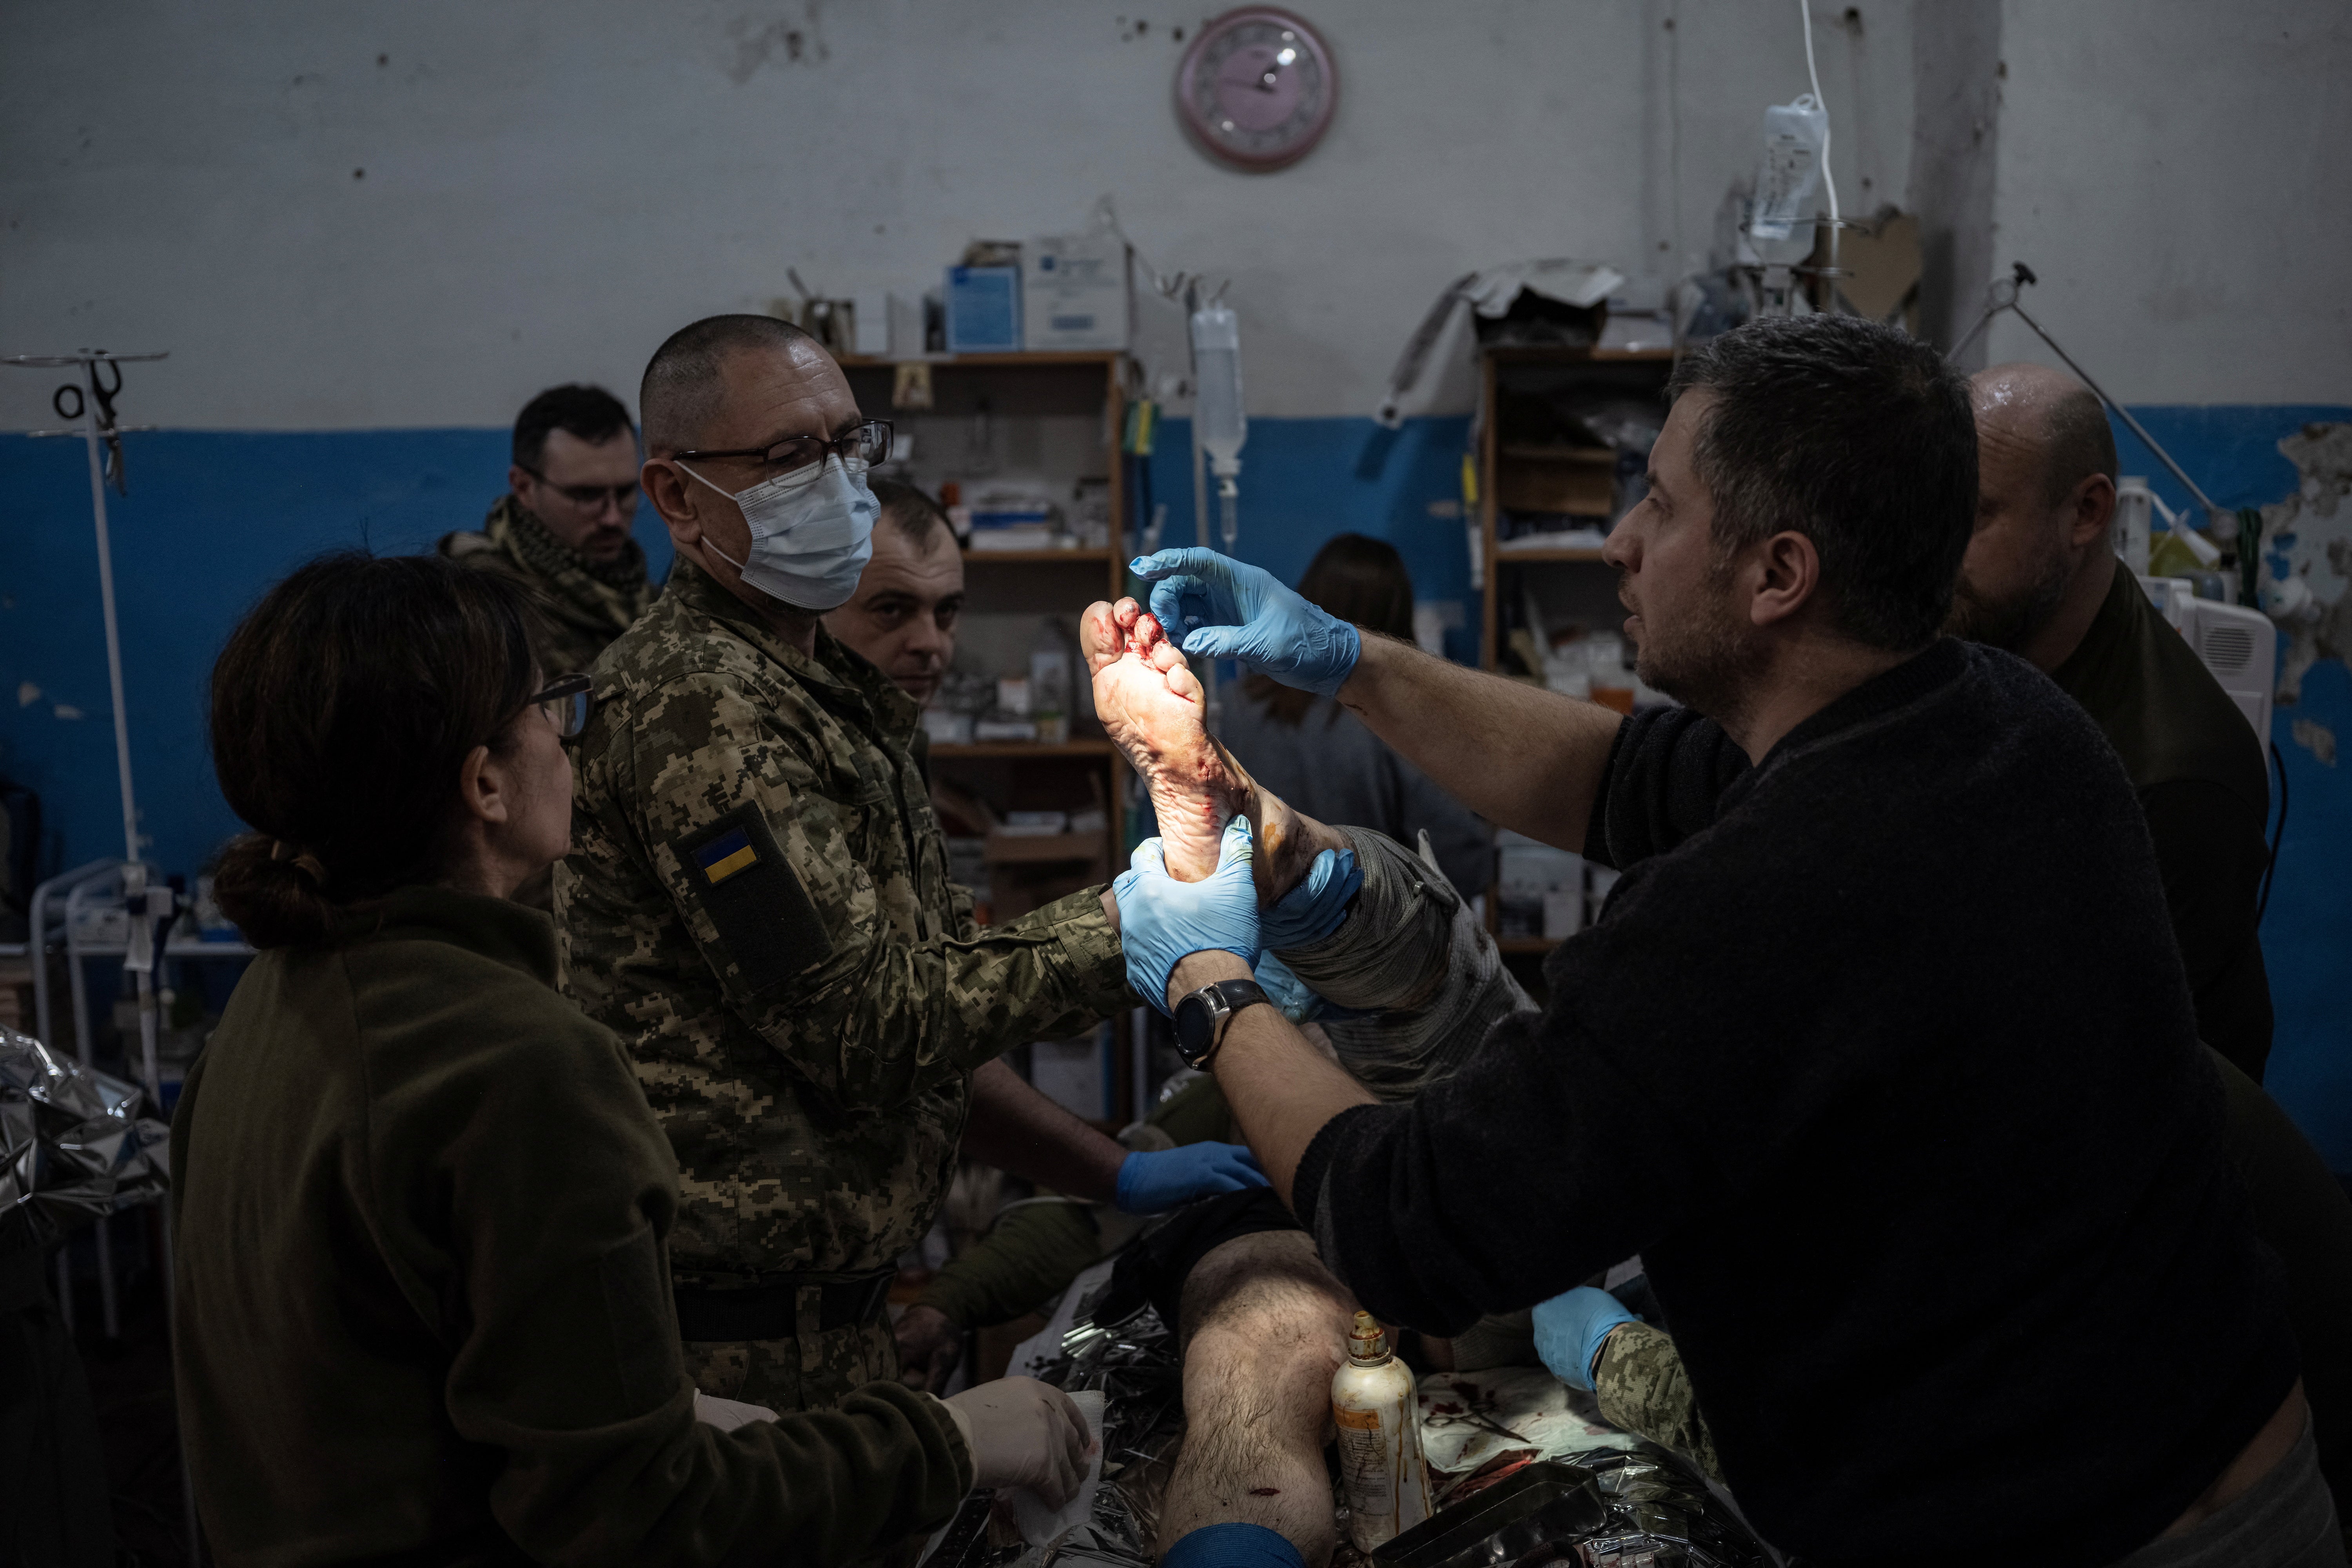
(2042, 580)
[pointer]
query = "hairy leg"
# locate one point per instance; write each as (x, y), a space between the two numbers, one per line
(1264, 1328)
(1154, 707)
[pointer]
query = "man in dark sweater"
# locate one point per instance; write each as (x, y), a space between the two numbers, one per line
(2040, 581)
(2033, 1325)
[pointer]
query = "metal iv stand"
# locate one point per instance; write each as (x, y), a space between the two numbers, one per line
(149, 906)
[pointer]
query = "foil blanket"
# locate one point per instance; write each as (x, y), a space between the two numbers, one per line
(73, 1146)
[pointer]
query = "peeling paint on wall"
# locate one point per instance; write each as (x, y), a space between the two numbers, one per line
(2306, 551)
(2316, 738)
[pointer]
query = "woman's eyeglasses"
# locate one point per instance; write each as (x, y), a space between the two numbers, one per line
(567, 704)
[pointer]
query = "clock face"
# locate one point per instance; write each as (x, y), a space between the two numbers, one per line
(1256, 89)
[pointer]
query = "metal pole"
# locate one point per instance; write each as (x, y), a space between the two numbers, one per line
(2121, 412)
(113, 634)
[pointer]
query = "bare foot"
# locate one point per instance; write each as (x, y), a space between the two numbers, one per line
(1153, 704)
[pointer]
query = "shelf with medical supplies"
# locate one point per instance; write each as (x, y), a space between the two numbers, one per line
(1027, 452)
(1564, 435)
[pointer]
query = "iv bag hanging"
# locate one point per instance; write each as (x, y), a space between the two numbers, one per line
(1217, 378)
(1794, 135)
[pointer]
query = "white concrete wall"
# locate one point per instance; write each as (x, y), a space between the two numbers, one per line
(2179, 175)
(548, 188)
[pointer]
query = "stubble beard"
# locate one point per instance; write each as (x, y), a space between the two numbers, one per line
(2009, 623)
(1710, 663)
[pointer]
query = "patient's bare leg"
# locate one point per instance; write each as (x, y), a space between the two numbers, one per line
(1264, 1328)
(1154, 708)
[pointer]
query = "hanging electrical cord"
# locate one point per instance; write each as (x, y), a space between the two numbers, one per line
(2278, 833)
(1828, 181)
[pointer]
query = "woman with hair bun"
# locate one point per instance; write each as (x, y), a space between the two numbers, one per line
(423, 1208)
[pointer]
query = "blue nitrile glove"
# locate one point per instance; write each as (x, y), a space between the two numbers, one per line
(1313, 910)
(1213, 607)
(1163, 921)
(1570, 1329)
(1296, 1001)
(1154, 1183)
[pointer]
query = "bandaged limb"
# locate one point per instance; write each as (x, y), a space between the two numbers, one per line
(1155, 710)
(1265, 1326)
(1414, 954)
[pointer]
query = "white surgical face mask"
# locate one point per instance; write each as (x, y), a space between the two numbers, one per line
(812, 533)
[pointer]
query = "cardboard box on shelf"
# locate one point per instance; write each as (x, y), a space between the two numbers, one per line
(1075, 292)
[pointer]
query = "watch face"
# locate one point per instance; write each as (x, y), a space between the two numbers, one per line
(1196, 1027)
(1256, 89)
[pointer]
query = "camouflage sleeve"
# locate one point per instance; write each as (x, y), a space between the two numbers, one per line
(1643, 1389)
(1033, 1252)
(758, 850)
(1037, 1249)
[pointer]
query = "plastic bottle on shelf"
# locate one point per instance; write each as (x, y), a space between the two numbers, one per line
(1049, 683)
(1379, 1421)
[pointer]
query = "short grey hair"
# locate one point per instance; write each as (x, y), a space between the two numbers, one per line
(681, 390)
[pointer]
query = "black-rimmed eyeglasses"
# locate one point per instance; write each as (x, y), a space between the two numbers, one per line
(858, 450)
(567, 704)
(589, 497)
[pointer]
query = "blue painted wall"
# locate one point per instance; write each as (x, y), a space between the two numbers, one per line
(2234, 453)
(213, 518)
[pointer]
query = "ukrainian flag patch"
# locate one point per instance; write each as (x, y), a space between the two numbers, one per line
(725, 856)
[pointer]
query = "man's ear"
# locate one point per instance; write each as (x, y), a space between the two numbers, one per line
(484, 786)
(520, 481)
(2089, 509)
(668, 486)
(1784, 573)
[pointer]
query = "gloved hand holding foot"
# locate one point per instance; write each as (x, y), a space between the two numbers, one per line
(1154, 1183)
(1571, 1328)
(1024, 1433)
(1163, 921)
(1216, 607)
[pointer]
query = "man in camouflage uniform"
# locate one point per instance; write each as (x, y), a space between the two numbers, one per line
(562, 529)
(758, 902)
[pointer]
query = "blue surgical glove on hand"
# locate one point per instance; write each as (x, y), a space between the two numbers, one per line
(1151, 1183)
(1313, 910)
(1163, 921)
(1293, 996)
(1570, 1329)
(1215, 607)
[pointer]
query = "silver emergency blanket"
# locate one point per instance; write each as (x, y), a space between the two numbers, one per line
(1637, 1507)
(73, 1146)
(1415, 956)
(1136, 1367)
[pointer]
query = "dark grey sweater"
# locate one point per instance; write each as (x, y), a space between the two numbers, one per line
(1881, 1056)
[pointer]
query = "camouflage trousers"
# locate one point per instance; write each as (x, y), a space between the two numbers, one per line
(813, 1372)
(1643, 1388)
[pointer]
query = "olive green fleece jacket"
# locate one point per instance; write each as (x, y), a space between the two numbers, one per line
(423, 1312)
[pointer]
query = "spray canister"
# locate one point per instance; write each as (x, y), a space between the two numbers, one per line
(1380, 1462)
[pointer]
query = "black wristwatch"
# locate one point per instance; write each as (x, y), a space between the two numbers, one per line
(1202, 1016)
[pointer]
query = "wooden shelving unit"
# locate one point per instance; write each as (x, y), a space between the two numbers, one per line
(1057, 416)
(1535, 475)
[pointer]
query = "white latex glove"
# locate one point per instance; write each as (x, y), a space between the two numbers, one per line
(728, 1414)
(1025, 1433)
